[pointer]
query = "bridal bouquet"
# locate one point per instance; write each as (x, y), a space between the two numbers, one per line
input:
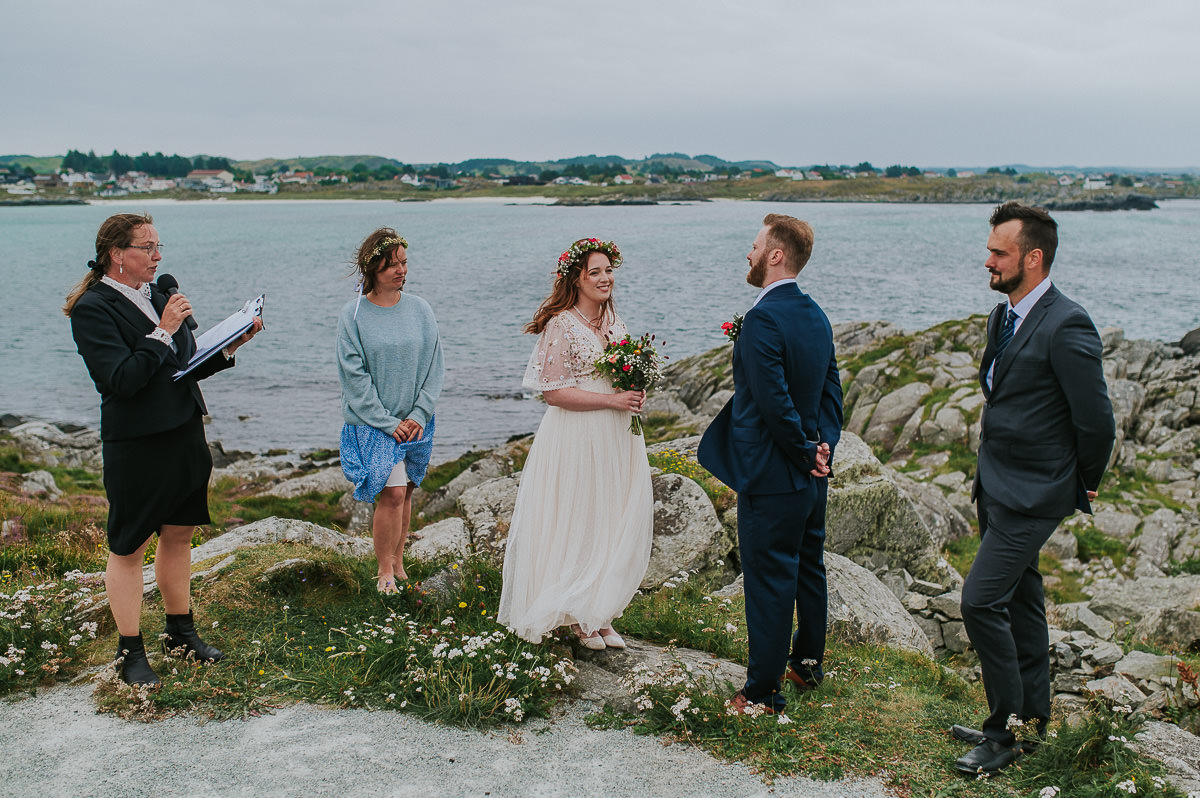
(634, 365)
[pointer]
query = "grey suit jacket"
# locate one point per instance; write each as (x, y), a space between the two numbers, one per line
(1047, 425)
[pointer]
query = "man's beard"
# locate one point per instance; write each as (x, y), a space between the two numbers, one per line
(1011, 284)
(758, 271)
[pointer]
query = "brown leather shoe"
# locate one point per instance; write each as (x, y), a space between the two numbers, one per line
(742, 705)
(796, 679)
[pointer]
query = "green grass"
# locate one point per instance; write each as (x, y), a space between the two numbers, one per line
(1190, 566)
(673, 462)
(439, 475)
(321, 632)
(1094, 544)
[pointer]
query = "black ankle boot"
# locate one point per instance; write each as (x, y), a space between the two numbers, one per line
(181, 634)
(134, 668)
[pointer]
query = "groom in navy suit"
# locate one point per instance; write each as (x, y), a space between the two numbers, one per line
(773, 443)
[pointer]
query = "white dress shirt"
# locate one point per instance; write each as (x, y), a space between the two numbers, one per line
(1022, 309)
(773, 285)
(140, 297)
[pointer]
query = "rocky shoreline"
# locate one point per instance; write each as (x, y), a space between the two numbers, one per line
(1124, 579)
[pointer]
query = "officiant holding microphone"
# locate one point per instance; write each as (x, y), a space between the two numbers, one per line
(133, 338)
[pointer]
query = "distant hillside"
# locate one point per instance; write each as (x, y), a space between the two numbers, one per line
(336, 163)
(39, 164)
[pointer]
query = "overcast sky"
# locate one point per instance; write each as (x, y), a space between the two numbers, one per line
(931, 83)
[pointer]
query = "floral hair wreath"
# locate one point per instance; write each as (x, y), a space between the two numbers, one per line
(583, 246)
(384, 244)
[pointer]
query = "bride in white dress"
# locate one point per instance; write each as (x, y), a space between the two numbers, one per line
(581, 530)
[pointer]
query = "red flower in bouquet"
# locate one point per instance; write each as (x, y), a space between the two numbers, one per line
(633, 365)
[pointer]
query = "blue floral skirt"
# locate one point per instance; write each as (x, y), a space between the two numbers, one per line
(369, 455)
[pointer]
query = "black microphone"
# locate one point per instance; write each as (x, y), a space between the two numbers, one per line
(171, 286)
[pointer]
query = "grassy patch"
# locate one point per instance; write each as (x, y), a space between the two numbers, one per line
(882, 350)
(439, 475)
(1094, 544)
(658, 427)
(1190, 566)
(231, 503)
(961, 552)
(1062, 586)
(673, 462)
(319, 631)
(681, 613)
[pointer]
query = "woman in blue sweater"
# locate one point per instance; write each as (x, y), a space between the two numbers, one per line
(391, 370)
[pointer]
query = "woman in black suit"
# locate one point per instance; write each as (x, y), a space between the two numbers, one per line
(156, 461)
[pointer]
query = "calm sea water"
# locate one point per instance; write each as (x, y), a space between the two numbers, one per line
(484, 266)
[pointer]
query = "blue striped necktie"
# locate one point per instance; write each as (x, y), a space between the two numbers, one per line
(1006, 335)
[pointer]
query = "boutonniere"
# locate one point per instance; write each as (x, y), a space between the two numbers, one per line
(732, 329)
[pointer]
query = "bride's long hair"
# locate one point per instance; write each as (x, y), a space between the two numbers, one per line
(565, 293)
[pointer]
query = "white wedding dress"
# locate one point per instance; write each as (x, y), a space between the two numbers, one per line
(583, 523)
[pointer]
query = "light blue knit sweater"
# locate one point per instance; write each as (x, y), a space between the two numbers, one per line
(389, 362)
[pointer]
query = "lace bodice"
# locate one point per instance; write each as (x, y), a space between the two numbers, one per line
(566, 353)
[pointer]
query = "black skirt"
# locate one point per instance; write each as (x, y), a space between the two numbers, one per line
(154, 480)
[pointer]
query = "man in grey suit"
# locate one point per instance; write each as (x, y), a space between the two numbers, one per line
(1047, 433)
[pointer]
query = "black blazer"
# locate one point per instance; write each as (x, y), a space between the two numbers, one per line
(133, 373)
(1047, 427)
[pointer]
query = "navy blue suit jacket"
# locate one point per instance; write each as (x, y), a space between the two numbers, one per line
(787, 398)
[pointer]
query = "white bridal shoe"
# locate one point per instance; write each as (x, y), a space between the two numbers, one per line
(594, 641)
(611, 638)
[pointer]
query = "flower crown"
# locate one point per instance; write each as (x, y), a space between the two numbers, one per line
(384, 244)
(583, 246)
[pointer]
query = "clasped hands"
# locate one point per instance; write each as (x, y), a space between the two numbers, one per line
(822, 458)
(408, 431)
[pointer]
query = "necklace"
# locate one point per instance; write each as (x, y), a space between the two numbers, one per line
(595, 323)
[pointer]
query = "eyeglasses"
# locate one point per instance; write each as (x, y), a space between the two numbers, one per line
(149, 249)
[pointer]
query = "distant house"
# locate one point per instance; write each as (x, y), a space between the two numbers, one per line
(296, 178)
(790, 174)
(931, 174)
(966, 174)
(1095, 182)
(47, 181)
(262, 184)
(410, 180)
(23, 187)
(208, 180)
(623, 180)
(76, 180)
(1065, 180)
(813, 175)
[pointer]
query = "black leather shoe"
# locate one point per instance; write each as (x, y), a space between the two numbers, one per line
(132, 665)
(989, 757)
(180, 640)
(975, 737)
(967, 734)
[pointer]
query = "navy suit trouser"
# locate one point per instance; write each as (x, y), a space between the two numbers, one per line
(781, 538)
(1004, 611)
